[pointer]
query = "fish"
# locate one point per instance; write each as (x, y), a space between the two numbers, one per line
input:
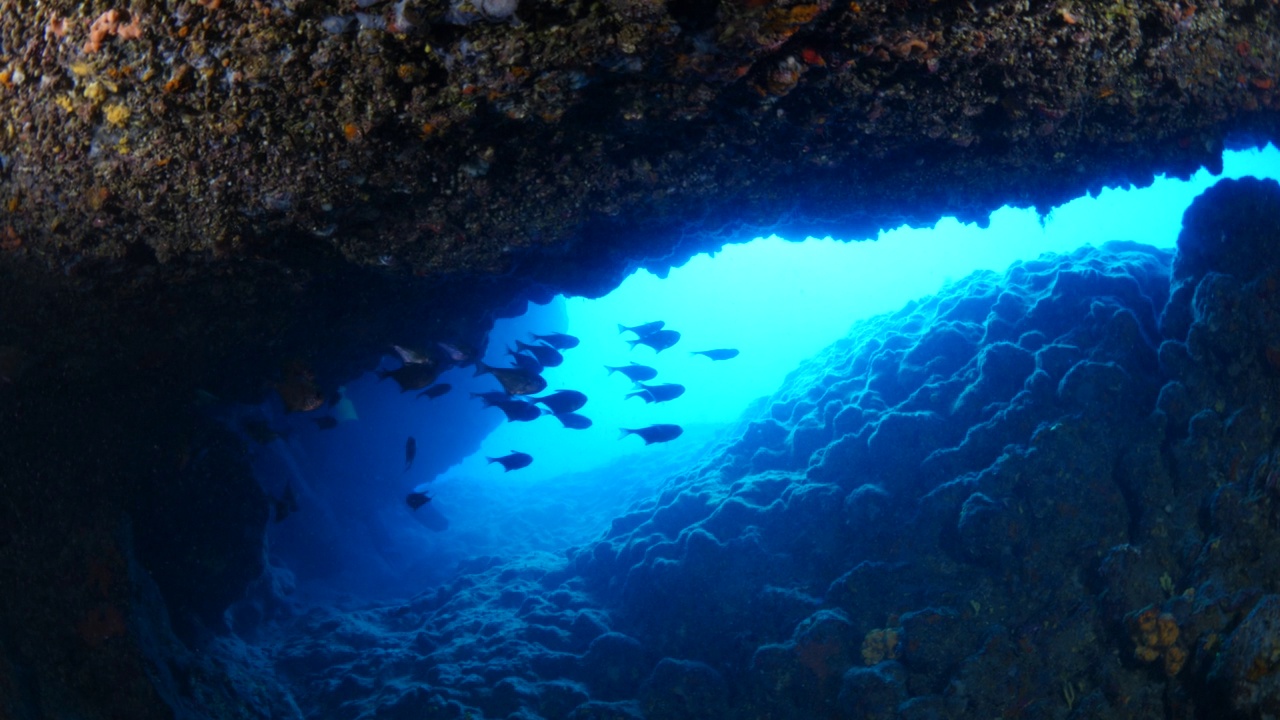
(655, 433)
(457, 352)
(518, 410)
(514, 461)
(524, 361)
(298, 389)
(563, 401)
(410, 452)
(635, 372)
(658, 393)
(659, 341)
(417, 499)
(491, 398)
(515, 381)
(286, 504)
(721, 354)
(558, 340)
(412, 376)
(328, 422)
(409, 356)
(436, 391)
(547, 355)
(574, 421)
(642, 330)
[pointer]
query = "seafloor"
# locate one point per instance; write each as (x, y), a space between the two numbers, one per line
(1052, 493)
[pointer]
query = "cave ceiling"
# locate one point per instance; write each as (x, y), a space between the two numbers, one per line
(322, 161)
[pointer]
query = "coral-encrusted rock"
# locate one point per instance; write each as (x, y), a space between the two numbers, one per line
(1247, 668)
(683, 690)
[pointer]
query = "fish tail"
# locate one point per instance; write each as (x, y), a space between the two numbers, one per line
(481, 369)
(634, 343)
(626, 432)
(611, 370)
(382, 374)
(491, 460)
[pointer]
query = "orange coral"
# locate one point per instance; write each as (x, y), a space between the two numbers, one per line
(879, 645)
(110, 24)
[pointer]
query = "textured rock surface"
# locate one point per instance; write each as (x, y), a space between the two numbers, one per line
(1094, 536)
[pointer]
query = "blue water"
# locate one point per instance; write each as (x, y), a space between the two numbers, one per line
(777, 302)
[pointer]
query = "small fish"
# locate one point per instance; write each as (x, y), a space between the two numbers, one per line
(457, 352)
(518, 410)
(491, 398)
(410, 452)
(659, 340)
(557, 340)
(286, 504)
(417, 499)
(327, 422)
(655, 433)
(634, 371)
(658, 393)
(524, 361)
(563, 401)
(642, 330)
(411, 377)
(722, 354)
(409, 356)
(298, 389)
(547, 355)
(436, 391)
(514, 461)
(574, 421)
(515, 380)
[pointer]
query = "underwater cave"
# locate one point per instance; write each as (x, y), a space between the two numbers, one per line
(546, 360)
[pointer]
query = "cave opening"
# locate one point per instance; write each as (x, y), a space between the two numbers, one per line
(349, 536)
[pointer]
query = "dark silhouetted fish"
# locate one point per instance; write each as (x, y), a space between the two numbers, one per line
(659, 341)
(722, 354)
(658, 393)
(514, 461)
(642, 330)
(411, 377)
(409, 356)
(655, 433)
(328, 422)
(515, 381)
(563, 401)
(410, 452)
(634, 371)
(436, 391)
(492, 398)
(518, 410)
(286, 504)
(547, 355)
(417, 499)
(524, 361)
(557, 340)
(574, 421)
